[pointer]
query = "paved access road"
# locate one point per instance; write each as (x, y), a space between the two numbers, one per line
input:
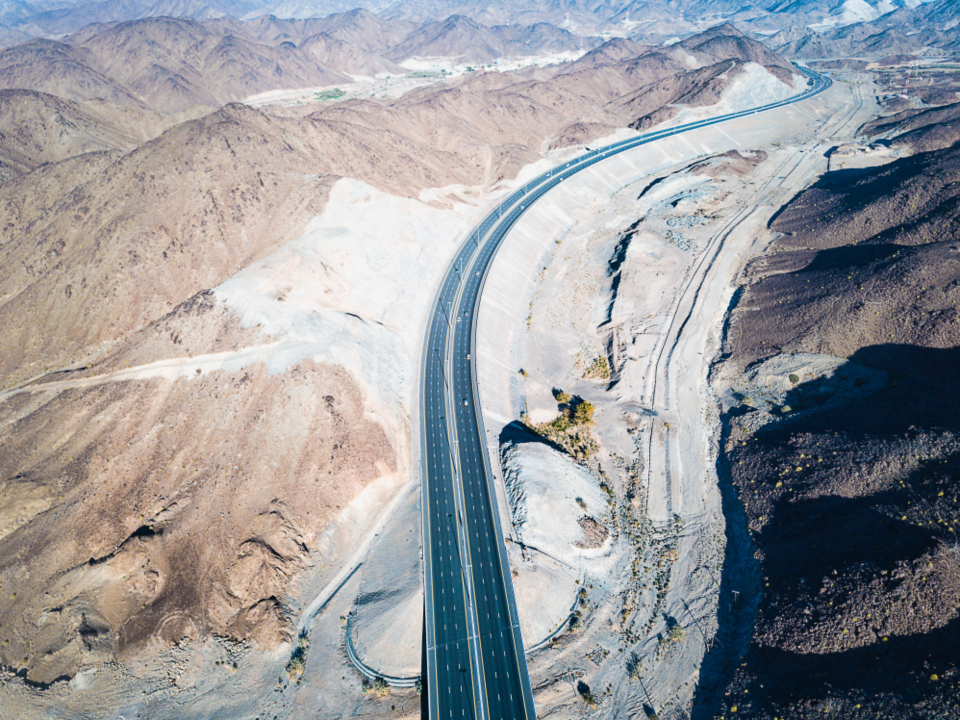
(476, 666)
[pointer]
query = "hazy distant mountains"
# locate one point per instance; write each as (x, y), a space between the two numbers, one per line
(647, 18)
(900, 32)
(175, 63)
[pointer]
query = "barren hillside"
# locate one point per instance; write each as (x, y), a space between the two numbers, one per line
(907, 29)
(843, 442)
(164, 63)
(36, 128)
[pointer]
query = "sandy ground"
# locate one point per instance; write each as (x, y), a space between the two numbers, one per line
(596, 271)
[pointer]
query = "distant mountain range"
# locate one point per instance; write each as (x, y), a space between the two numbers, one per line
(55, 18)
(209, 52)
(172, 64)
(902, 31)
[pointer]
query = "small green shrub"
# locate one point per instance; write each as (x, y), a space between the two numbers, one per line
(586, 694)
(583, 413)
(570, 430)
(676, 632)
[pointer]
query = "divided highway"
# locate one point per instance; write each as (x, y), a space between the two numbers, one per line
(476, 666)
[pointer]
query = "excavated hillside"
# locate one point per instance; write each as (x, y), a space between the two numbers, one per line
(658, 102)
(843, 443)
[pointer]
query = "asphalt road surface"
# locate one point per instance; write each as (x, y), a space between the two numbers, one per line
(476, 666)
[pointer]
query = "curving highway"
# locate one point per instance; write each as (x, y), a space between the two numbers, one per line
(476, 666)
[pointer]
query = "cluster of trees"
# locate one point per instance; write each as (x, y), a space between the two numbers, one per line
(575, 410)
(571, 429)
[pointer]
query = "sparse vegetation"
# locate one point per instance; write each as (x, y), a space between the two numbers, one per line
(676, 633)
(298, 658)
(583, 413)
(599, 370)
(570, 430)
(586, 694)
(331, 94)
(378, 688)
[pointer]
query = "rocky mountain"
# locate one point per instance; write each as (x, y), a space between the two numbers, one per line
(63, 18)
(849, 481)
(647, 20)
(725, 42)
(643, 85)
(466, 40)
(173, 64)
(359, 28)
(367, 31)
(330, 52)
(657, 102)
(544, 38)
(905, 30)
(36, 128)
(10, 37)
(612, 51)
(919, 130)
(59, 69)
(164, 63)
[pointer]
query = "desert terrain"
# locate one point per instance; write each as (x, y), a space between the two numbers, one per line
(715, 370)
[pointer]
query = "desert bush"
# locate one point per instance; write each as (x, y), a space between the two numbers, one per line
(583, 413)
(378, 688)
(599, 370)
(570, 430)
(298, 658)
(586, 694)
(676, 633)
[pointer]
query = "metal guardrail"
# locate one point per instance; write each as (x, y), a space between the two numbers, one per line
(367, 671)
